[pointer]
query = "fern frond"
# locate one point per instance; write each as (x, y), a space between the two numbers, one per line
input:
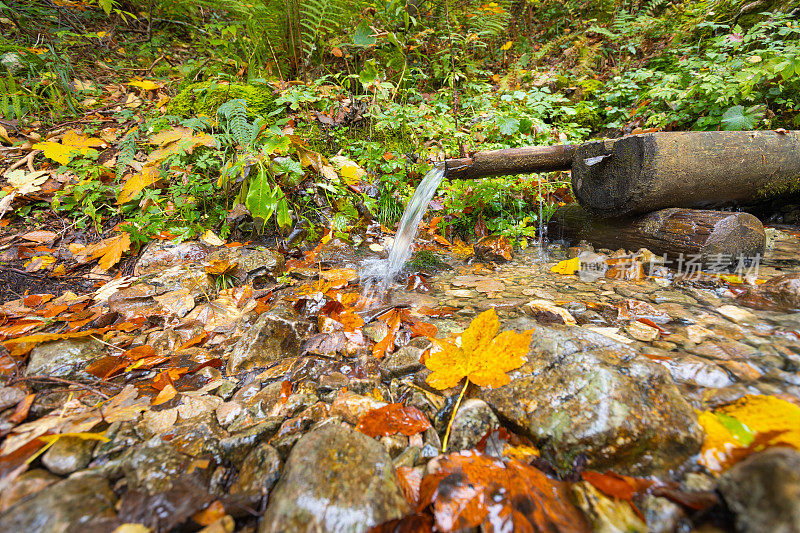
(127, 151)
(234, 112)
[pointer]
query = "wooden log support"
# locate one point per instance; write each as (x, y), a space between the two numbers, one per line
(710, 236)
(511, 161)
(643, 173)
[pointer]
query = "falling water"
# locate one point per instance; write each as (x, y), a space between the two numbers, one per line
(385, 271)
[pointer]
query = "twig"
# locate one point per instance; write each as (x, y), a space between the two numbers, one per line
(28, 159)
(81, 386)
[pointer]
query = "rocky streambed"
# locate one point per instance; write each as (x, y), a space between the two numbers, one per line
(246, 410)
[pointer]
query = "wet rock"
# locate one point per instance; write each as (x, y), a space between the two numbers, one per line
(159, 255)
(401, 363)
(336, 253)
(258, 473)
(237, 446)
(68, 455)
(27, 483)
(494, 248)
(152, 466)
(79, 503)
(10, 396)
(763, 491)
(781, 293)
(474, 420)
(64, 358)
(642, 332)
(335, 479)
(605, 514)
(276, 334)
(251, 263)
(737, 314)
(695, 371)
(662, 515)
(677, 297)
(585, 393)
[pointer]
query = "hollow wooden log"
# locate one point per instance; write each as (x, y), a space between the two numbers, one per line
(708, 237)
(511, 161)
(643, 173)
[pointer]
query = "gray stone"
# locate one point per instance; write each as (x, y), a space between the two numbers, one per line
(335, 480)
(64, 358)
(763, 491)
(10, 396)
(159, 255)
(277, 334)
(474, 420)
(68, 455)
(26, 484)
(582, 392)
(78, 503)
(152, 466)
(259, 472)
(401, 363)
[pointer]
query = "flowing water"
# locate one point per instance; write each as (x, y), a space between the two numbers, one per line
(384, 271)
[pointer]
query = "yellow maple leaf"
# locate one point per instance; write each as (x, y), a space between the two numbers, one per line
(567, 267)
(732, 429)
(147, 85)
(136, 182)
(72, 143)
(482, 358)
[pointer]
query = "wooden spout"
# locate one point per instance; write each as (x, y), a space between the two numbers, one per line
(511, 161)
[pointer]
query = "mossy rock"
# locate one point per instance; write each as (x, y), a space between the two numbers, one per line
(206, 97)
(586, 115)
(428, 261)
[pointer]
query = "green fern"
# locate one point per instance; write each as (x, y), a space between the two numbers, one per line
(127, 151)
(234, 113)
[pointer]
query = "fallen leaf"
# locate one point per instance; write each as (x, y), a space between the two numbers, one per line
(26, 182)
(72, 143)
(149, 175)
(391, 419)
(468, 489)
(732, 430)
(567, 267)
(482, 358)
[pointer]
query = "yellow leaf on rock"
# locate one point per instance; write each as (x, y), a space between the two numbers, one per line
(567, 267)
(482, 358)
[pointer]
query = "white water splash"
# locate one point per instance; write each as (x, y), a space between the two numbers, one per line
(384, 271)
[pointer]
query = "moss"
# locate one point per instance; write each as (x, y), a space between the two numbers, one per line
(428, 261)
(586, 115)
(206, 97)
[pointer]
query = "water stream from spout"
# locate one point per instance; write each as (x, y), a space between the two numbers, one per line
(384, 272)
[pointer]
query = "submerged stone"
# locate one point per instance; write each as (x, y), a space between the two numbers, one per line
(64, 358)
(79, 503)
(335, 479)
(763, 491)
(584, 393)
(276, 334)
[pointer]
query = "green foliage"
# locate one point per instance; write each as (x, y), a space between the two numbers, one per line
(207, 97)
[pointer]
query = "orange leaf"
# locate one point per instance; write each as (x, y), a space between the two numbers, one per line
(468, 489)
(166, 394)
(391, 419)
(210, 514)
